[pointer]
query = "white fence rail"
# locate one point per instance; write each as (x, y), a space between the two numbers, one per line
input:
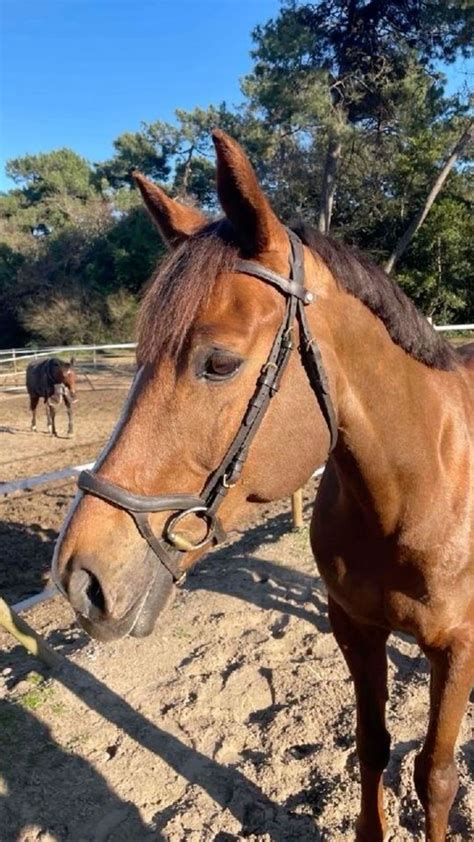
(14, 355)
(29, 483)
(449, 328)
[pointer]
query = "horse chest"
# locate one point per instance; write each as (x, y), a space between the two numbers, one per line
(395, 587)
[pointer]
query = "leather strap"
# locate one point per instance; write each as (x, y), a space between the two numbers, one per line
(170, 558)
(313, 366)
(289, 287)
(112, 493)
(267, 385)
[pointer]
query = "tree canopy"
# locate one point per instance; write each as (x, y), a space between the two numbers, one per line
(346, 120)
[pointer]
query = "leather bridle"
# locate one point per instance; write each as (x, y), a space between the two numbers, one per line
(171, 546)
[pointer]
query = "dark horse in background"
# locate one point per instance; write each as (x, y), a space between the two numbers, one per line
(393, 522)
(53, 380)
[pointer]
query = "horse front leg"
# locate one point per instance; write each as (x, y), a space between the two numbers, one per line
(33, 404)
(70, 424)
(364, 649)
(436, 777)
(51, 419)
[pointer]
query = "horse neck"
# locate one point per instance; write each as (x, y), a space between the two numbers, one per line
(394, 417)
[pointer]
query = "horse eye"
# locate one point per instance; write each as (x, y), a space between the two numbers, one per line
(221, 365)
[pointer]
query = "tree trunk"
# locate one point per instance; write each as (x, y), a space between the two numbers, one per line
(183, 188)
(420, 217)
(331, 166)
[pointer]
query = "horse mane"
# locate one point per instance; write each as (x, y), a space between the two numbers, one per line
(185, 280)
(366, 281)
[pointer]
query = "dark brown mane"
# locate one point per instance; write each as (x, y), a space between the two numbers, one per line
(384, 297)
(182, 285)
(185, 280)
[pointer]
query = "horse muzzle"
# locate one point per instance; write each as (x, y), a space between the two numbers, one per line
(108, 609)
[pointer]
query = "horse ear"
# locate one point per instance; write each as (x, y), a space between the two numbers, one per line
(257, 227)
(72, 362)
(174, 221)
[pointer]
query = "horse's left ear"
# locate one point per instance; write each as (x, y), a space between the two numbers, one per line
(257, 227)
(174, 221)
(72, 361)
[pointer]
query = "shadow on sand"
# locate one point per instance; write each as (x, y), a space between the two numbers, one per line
(73, 776)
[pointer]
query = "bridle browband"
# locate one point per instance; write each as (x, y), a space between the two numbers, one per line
(170, 547)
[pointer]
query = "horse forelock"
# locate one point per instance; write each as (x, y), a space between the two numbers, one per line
(180, 288)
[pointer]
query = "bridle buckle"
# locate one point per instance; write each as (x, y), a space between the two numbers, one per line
(226, 483)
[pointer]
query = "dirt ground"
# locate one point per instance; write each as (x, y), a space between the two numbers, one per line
(234, 720)
(24, 454)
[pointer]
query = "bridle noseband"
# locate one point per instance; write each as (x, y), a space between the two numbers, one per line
(170, 547)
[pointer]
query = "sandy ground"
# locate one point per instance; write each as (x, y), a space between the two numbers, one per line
(24, 454)
(234, 720)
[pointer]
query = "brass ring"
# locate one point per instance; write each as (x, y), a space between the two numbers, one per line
(179, 542)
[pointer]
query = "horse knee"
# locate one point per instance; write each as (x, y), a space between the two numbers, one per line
(435, 784)
(373, 748)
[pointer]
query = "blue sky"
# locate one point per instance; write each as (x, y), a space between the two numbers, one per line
(78, 73)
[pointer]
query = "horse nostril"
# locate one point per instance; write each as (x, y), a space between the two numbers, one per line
(85, 594)
(95, 593)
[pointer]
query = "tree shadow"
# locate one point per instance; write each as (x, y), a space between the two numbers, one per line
(235, 570)
(16, 663)
(268, 586)
(79, 804)
(408, 667)
(226, 786)
(25, 558)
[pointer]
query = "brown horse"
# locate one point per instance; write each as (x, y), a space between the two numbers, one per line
(392, 529)
(53, 380)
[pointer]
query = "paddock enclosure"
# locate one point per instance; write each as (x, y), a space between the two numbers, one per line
(235, 720)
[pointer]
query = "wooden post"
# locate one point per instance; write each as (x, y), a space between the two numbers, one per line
(297, 509)
(28, 638)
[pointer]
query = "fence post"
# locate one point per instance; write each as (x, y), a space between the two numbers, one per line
(297, 509)
(14, 359)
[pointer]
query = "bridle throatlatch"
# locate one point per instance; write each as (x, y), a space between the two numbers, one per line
(171, 546)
